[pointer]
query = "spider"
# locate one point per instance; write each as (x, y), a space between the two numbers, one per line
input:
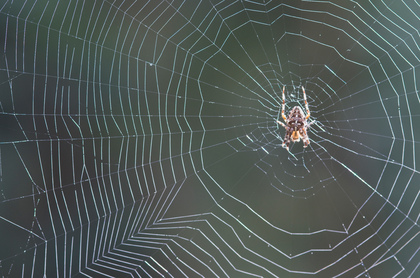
(296, 123)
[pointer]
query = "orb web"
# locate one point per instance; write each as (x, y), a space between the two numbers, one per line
(140, 139)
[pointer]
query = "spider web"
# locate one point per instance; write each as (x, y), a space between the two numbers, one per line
(140, 139)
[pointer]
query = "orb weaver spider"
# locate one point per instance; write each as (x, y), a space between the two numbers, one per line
(296, 124)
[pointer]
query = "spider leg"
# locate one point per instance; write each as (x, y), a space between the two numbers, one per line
(285, 144)
(309, 125)
(283, 106)
(308, 113)
(281, 123)
(305, 137)
(286, 140)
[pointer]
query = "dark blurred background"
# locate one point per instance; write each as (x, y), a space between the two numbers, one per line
(139, 138)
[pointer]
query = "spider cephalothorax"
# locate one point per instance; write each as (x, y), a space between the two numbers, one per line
(296, 123)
